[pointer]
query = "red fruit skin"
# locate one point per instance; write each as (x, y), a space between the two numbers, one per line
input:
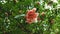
(31, 15)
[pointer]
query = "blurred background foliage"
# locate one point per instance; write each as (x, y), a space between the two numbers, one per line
(12, 20)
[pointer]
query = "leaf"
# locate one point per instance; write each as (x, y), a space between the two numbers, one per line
(17, 16)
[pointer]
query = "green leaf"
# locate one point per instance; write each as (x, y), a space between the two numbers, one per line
(17, 16)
